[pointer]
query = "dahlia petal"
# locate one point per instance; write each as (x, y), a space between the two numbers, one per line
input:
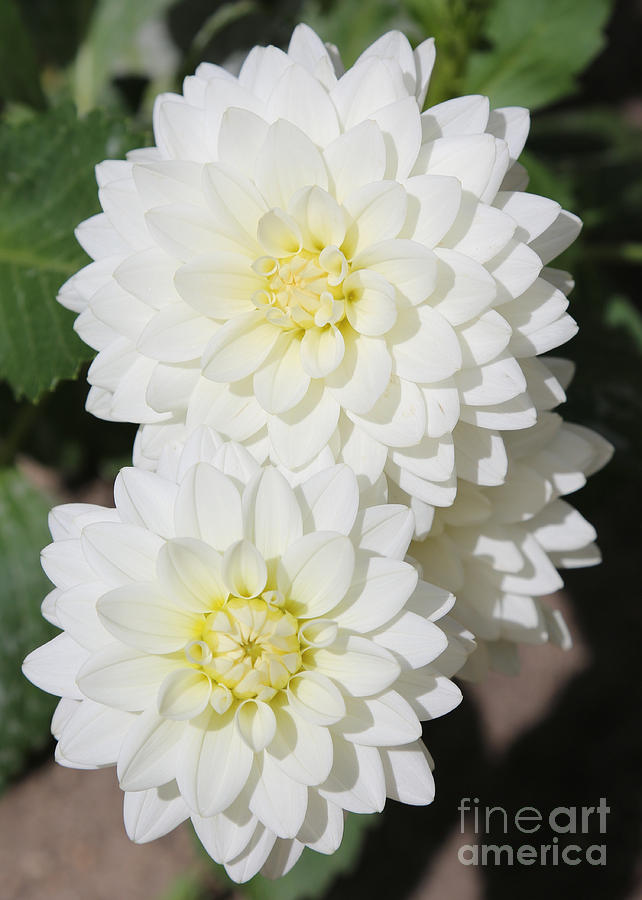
(513, 414)
(379, 212)
(480, 231)
(120, 553)
(184, 231)
(184, 694)
(330, 500)
(456, 117)
(480, 456)
(257, 724)
(179, 129)
(408, 775)
(379, 590)
(307, 49)
(321, 218)
(483, 339)
(153, 813)
(283, 857)
(511, 124)
(302, 749)
(364, 455)
(356, 158)
(241, 136)
(533, 214)
(442, 407)
(370, 305)
(212, 743)
(218, 524)
(366, 88)
(274, 516)
(149, 754)
(433, 204)
(464, 288)
(167, 181)
(356, 782)
(99, 239)
(64, 564)
(75, 612)
(406, 265)
(315, 698)
(288, 161)
(146, 500)
(139, 615)
(253, 857)
(424, 345)
(361, 667)
(124, 677)
(417, 641)
(385, 529)
(469, 158)
(315, 573)
(398, 418)
(244, 570)
(277, 801)
(394, 45)
(424, 56)
(514, 269)
(300, 433)
(282, 382)
(363, 374)
(299, 98)
(401, 127)
(381, 721)
(239, 347)
(219, 284)
(430, 694)
(322, 349)
(53, 667)
(234, 200)
(117, 309)
(261, 69)
(94, 734)
(228, 833)
(497, 381)
(232, 409)
(559, 528)
(322, 828)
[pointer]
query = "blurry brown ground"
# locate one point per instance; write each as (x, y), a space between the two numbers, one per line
(62, 837)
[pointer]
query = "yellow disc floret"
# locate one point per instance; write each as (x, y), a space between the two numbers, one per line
(248, 647)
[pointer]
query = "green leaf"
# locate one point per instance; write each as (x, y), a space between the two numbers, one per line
(621, 313)
(538, 47)
(19, 78)
(25, 711)
(112, 32)
(47, 188)
(314, 873)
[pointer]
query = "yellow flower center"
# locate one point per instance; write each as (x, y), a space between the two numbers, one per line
(303, 290)
(249, 648)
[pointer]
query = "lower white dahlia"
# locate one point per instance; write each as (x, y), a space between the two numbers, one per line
(306, 258)
(499, 548)
(252, 656)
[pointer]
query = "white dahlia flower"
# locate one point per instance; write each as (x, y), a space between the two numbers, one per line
(306, 259)
(252, 656)
(499, 548)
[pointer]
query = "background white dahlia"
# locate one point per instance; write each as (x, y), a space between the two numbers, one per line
(252, 656)
(498, 548)
(305, 259)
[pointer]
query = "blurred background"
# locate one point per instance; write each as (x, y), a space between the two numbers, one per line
(77, 81)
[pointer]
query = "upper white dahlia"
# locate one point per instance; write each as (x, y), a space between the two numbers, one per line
(305, 259)
(498, 548)
(252, 656)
